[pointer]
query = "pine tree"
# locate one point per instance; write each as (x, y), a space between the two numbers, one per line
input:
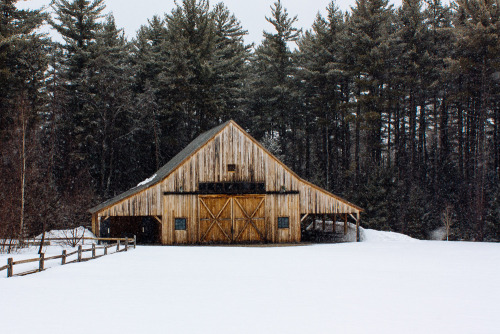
(23, 63)
(274, 67)
(230, 58)
(476, 62)
(148, 59)
(23, 60)
(78, 22)
(110, 92)
(188, 72)
(193, 67)
(321, 60)
(369, 30)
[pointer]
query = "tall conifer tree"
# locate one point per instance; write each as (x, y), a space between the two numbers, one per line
(274, 68)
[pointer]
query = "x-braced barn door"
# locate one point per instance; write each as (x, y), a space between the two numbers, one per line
(249, 223)
(225, 219)
(215, 219)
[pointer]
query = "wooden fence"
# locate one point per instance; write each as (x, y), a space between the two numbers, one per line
(127, 243)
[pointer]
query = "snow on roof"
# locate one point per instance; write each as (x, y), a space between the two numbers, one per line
(149, 179)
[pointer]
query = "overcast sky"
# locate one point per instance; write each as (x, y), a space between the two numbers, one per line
(131, 14)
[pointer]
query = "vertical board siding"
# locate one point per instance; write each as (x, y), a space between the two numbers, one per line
(180, 207)
(145, 203)
(283, 206)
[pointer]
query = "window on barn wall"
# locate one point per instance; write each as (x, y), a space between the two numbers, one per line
(283, 222)
(231, 168)
(231, 188)
(180, 223)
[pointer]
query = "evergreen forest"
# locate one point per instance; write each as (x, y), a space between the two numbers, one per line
(396, 109)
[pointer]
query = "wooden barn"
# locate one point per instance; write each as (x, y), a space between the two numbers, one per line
(224, 187)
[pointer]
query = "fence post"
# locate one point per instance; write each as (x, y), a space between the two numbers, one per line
(126, 244)
(135, 241)
(10, 269)
(105, 249)
(93, 251)
(79, 253)
(118, 245)
(42, 262)
(63, 259)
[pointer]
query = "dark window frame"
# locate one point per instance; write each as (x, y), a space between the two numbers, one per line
(283, 222)
(231, 168)
(177, 220)
(231, 188)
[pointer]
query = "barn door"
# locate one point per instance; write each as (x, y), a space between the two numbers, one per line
(249, 223)
(215, 219)
(225, 219)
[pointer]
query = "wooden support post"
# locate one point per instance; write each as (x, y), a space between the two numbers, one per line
(324, 223)
(79, 253)
(135, 241)
(94, 225)
(105, 249)
(63, 259)
(314, 223)
(117, 245)
(126, 244)
(345, 224)
(357, 227)
(93, 251)
(10, 269)
(172, 227)
(334, 223)
(42, 262)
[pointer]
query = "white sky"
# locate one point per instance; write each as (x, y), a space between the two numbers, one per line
(131, 14)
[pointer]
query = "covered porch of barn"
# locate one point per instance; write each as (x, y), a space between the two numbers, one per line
(330, 227)
(147, 229)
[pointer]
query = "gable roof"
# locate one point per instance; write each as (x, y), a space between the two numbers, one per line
(189, 150)
(169, 167)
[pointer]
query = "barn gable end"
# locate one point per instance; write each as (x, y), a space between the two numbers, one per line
(205, 188)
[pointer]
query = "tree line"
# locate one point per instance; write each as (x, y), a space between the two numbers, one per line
(395, 109)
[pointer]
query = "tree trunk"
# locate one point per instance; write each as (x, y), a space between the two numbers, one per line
(23, 170)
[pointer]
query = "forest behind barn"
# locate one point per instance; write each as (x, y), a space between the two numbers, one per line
(394, 109)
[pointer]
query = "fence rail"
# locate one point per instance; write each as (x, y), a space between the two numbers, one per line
(127, 243)
(70, 240)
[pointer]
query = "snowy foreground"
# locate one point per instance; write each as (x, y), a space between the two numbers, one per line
(382, 286)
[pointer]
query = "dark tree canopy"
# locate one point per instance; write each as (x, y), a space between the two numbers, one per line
(395, 109)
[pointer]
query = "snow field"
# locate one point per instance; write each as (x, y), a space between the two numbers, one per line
(373, 287)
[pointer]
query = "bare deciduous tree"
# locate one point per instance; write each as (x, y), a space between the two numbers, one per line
(447, 219)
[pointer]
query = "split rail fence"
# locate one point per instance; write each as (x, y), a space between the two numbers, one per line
(79, 253)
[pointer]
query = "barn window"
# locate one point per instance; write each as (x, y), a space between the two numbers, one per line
(283, 222)
(180, 223)
(231, 168)
(231, 188)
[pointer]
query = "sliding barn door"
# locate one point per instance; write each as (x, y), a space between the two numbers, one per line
(215, 219)
(226, 219)
(249, 223)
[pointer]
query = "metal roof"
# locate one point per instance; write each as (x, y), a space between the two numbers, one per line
(164, 171)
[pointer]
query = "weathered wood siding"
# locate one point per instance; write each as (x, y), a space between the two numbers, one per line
(283, 206)
(316, 200)
(145, 203)
(180, 207)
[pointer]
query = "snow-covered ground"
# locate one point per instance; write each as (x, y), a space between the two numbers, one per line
(398, 286)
